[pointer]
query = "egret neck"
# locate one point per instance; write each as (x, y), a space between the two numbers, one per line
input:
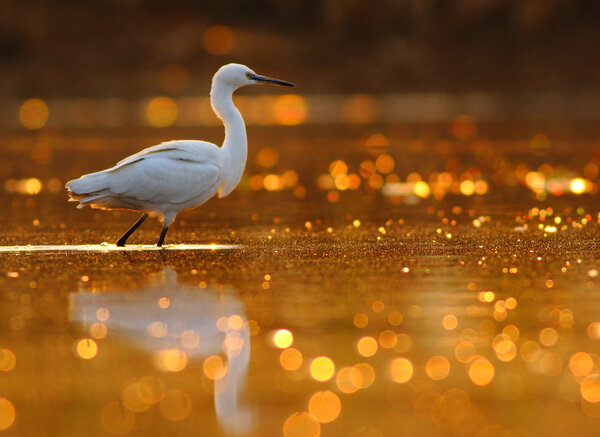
(235, 145)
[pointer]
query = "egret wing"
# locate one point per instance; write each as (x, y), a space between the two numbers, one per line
(159, 178)
(190, 150)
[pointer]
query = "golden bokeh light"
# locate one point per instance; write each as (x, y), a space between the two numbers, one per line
(349, 380)
(467, 187)
(102, 314)
(189, 339)
(337, 168)
(86, 348)
(290, 109)
(578, 186)
(161, 111)
(550, 363)
(218, 40)
(581, 364)
(388, 339)
(7, 414)
(384, 163)
(151, 389)
(403, 343)
(267, 157)
(590, 388)
(465, 351)
(171, 360)
(325, 406)
(98, 330)
(401, 370)
(116, 419)
(283, 338)
(530, 351)
(322, 368)
(236, 322)
(361, 320)
(164, 302)
(449, 322)
(301, 425)
(464, 127)
(289, 178)
(342, 182)
(593, 330)
(377, 140)
(175, 405)
(31, 186)
(272, 182)
(536, 181)
(34, 114)
(421, 189)
(158, 329)
(548, 336)
(367, 346)
(504, 347)
(7, 360)
(256, 182)
(134, 398)
(481, 371)
(367, 375)
(395, 318)
(486, 296)
(437, 367)
(214, 367)
(233, 344)
(291, 359)
(511, 331)
(367, 169)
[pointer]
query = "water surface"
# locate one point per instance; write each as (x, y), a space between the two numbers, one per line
(453, 291)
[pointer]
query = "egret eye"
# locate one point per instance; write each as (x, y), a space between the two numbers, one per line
(249, 75)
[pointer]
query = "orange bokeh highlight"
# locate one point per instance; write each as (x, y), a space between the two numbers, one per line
(34, 114)
(218, 40)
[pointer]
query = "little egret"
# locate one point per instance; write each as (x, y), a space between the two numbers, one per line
(177, 175)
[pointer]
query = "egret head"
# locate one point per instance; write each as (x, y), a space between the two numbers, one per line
(237, 75)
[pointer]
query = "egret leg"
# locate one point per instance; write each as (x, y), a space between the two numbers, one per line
(131, 230)
(167, 219)
(161, 239)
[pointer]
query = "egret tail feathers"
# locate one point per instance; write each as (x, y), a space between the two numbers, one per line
(88, 184)
(90, 189)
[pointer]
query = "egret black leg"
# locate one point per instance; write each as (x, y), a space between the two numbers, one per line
(131, 230)
(161, 240)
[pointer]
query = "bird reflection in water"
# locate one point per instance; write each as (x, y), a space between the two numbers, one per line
(177, 323)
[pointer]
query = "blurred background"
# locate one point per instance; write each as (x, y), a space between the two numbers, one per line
(135, 48)
(407, 98)
(501, 92)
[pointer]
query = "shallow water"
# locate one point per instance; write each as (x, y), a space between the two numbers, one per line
(106, 247)
(298, 312)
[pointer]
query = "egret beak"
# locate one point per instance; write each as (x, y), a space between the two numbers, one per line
(265, 79)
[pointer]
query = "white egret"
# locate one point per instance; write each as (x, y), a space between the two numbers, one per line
(177, 175)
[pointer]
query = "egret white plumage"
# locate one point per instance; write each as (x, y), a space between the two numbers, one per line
(177, 175)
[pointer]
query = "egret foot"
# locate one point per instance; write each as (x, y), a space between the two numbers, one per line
(123, 239)
(161, 240)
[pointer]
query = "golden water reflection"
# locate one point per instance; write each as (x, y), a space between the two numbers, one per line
(189, 329)
(444, 342)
